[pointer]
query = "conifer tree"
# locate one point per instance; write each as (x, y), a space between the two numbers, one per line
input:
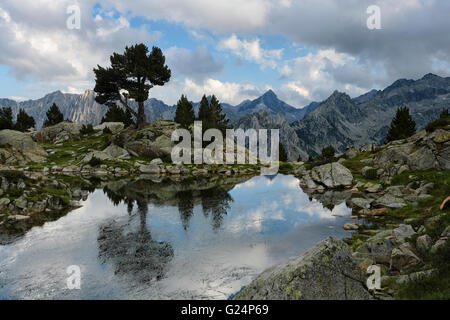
(282, 155)
(219, 120)
(24, 121)
(6, 121)
(184, 114)
(54, 116)
(402, 126)
(204, 112)
(328, 152)
(117, 114)
(131, 76)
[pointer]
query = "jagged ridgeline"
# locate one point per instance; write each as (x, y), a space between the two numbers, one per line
(339, 121)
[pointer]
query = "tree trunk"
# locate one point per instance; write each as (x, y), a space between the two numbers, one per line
(141, 119)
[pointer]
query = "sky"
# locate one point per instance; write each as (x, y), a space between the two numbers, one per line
(236, 49)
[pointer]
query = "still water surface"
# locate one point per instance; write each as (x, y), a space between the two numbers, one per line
(167, 241)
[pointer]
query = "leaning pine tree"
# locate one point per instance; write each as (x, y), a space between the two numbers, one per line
(184, 115)
(54, 116)
(402, 126)
(131, 76)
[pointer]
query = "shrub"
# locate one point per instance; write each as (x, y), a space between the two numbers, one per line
(442, 122)
(89, 129)
(402, 126)
(119, 140)
(107, 131)
(286, 167)
(95, 162)
(371, 174)
(328, 152)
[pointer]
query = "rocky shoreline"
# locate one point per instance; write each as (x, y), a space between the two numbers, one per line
(397, 191)
(402, 199)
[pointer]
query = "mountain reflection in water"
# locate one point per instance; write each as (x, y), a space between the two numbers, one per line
(154, 238)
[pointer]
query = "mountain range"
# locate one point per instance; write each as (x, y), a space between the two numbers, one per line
(340, 120)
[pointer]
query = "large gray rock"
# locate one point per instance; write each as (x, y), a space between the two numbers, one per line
(390, 201)
(423, 243)
(62, 131)
(151, 169)
(394, 154)
(332, 175)
(403, 232)
(22, 148)
(154, 141)
(361, 202)
(116, 152)
(96, 154)
(113, 126)
(327, 271)
(351, 153)
(378, 250)
(422, 159)
(403, 257)
(443, 157)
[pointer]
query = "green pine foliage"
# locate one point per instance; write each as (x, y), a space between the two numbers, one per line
(185, 114)
(442, 122)
(117, 114)
(211, 115)
(328, 152)
(87, 129)
(135, 71)
(6, 121)
(219, 119)
(24, 121)
(54, 116)
(282, 155)
(402, 126)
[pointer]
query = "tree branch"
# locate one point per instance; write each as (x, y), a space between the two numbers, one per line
(125, 104)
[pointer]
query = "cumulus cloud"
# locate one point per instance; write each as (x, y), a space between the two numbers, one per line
(230, 92)
(315, 76)
(411, 43)
(218, 16)
(251, 51)
(37, 45)
(198, 64)
(344, 53)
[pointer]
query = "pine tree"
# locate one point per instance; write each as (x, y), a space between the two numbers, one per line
(135, 71)
(54, 116)
(282, 155)
(24, 121)
(185, 112)
(6, 121)
(402, 126)
(328, 152)
(117, 114)
(219, 120)
(204, 112)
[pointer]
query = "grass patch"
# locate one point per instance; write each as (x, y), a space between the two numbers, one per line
(434, 287)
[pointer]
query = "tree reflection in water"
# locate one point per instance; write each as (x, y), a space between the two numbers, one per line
(131, 250)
